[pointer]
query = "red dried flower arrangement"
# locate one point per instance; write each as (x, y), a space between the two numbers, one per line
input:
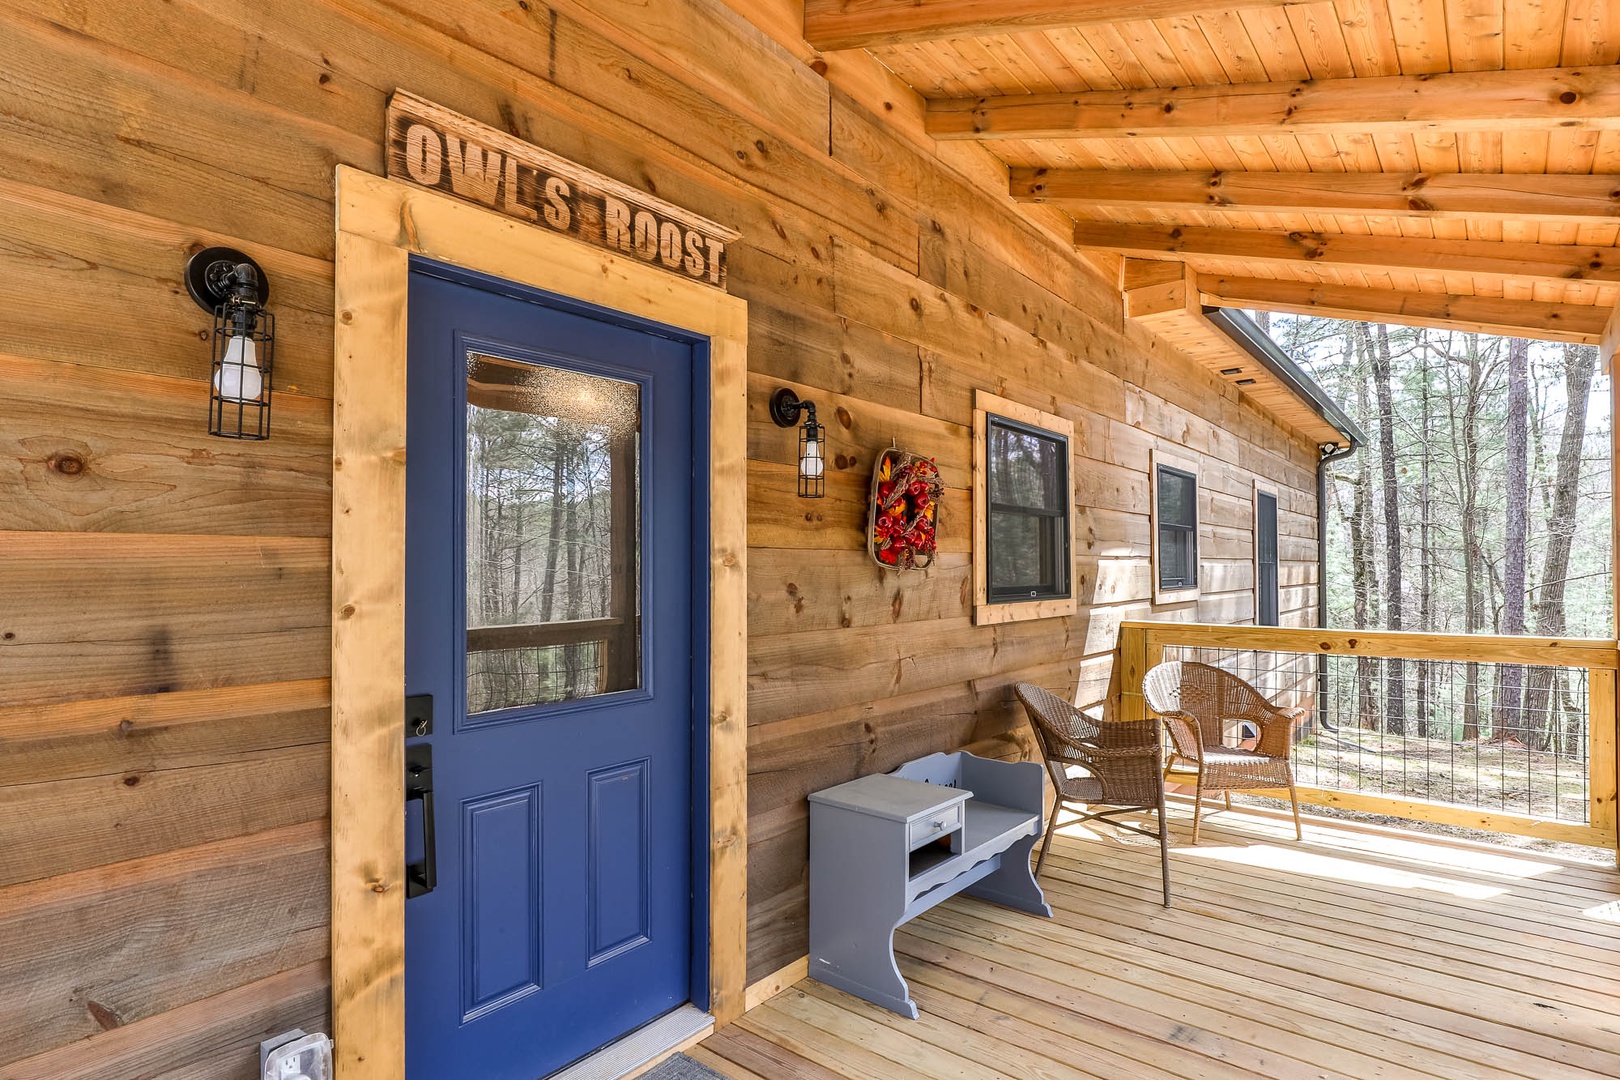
(906, 490)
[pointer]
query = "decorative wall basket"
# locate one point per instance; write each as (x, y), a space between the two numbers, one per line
(904, 519)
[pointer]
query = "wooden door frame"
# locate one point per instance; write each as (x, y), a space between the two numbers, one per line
(381, 223)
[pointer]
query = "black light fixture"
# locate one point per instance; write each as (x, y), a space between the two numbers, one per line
(785, 410)
(227, 283)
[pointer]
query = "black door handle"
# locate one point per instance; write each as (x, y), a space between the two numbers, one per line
(422, 875)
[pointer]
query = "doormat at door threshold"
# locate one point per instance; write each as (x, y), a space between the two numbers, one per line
(623, 1057)
(681, 1067)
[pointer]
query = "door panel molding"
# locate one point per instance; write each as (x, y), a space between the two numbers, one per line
(380, 225)
(602, 838)
(498, 831)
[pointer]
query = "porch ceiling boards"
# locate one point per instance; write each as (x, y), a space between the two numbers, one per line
(1454, 150)
(1354, 954)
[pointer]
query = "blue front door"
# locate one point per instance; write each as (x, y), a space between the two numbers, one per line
(549, 662)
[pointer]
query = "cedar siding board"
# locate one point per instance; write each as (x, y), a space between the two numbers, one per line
(164, 632)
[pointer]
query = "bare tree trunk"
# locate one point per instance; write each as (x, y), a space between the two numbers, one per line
(1473, 573)
(1364, 577)
(548, 592)
(1394, 671)
(573, 549)
(1425, 670)
(1508, 722)
(1580, 361)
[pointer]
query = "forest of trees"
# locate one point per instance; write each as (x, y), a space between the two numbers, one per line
(541, 453)
(1480, 504)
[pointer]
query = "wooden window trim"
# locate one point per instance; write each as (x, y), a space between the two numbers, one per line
(986, 613)
(1266, 487)
(1186, 465)
(380, 224)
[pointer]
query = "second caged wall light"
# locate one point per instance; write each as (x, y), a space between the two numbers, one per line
(786, 408)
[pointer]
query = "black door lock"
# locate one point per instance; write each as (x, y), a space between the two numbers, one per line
(418, 716)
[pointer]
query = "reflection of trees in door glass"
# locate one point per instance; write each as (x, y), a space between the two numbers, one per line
(552, 515)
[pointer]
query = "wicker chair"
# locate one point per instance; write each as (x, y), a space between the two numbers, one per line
(1124, 762)
(1197, 703)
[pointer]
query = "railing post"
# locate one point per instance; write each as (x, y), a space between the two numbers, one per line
(1130, 664)
(1603, 783)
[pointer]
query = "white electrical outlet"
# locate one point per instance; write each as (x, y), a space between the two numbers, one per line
(296, 1056)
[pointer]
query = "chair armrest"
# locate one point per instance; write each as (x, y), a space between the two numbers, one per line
(1186, 734)
(1277, 733)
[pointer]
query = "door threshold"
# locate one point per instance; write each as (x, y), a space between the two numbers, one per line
(642, 1047)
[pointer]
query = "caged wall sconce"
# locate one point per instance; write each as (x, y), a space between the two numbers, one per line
(785, 410)
(227, 283)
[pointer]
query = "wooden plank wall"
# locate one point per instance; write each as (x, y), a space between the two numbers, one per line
(164, 607)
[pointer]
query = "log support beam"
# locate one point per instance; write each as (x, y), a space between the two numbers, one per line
(1556, 263)
(1577, 323)
(1558, 198)
(1485, 101)
(869, 24)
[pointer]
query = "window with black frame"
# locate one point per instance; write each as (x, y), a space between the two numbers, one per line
(1267, 593)
(1176, 514)
(1027, 512)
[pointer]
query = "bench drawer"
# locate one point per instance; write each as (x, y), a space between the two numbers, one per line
(934, 825)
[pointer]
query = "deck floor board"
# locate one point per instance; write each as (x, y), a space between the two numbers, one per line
(1356, 954)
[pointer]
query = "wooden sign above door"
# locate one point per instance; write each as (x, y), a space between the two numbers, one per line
(436, 148)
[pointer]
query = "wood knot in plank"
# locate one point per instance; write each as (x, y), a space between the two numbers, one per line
(104, 1017)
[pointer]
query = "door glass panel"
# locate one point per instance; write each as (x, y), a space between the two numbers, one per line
(553, 520)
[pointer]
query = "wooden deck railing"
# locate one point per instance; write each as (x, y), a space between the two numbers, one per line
(1591, 664)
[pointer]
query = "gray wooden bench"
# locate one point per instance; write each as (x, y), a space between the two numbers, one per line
(886, 848)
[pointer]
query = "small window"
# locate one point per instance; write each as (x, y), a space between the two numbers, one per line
(1028, 541)
(1266, 591)
(1267, 595)
(1175, 529)
(1024, 507)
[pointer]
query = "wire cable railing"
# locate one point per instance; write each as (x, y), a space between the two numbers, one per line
(1510, 738)
(1514, 735)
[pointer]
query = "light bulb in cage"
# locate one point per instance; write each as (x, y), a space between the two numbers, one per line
(786, 408)
(231, 285)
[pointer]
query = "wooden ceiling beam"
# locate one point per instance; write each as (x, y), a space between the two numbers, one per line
(1539, 197)
(870, 24)
(1521, 262)
(1480, 314)
(1488, 101)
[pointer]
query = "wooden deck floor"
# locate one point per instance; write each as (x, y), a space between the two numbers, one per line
(1354, 954)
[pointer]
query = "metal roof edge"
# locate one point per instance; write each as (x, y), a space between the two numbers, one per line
(1258, 344)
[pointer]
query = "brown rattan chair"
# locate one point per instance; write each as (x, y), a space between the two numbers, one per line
(1122, 763)
(1198, 703)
